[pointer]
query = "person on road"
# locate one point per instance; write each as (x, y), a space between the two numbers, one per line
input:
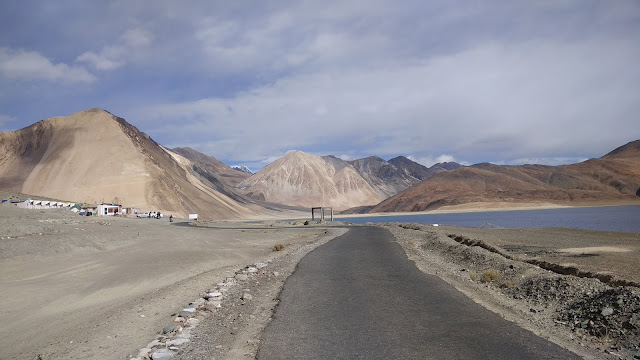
(170, 218)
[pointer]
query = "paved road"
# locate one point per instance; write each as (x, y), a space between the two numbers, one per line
(359, 297)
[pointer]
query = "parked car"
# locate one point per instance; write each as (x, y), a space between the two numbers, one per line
(143, 215)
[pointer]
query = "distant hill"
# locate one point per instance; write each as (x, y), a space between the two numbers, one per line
(615, 176)
(301, 179)
(242, 168)
(93, 156)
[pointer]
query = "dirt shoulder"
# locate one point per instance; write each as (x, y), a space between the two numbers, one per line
(77, 287)
(584, 315)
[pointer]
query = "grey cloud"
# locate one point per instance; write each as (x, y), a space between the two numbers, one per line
(528, 98)
(479, 81)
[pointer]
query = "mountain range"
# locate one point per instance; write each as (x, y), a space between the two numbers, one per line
(613, 177)
(93, 156)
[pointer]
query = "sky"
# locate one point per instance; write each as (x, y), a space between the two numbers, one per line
(508, 82)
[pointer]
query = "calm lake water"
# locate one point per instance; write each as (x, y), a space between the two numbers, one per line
(610, 218)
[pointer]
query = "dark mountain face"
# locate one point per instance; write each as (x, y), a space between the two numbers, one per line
(337, 163)
(420, 171)
(382, 175)
(213, 166)
(629, 150)
(446, 166)
(411, 168)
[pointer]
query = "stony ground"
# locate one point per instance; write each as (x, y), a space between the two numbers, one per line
(584, 315)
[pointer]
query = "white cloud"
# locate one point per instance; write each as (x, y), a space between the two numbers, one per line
(134, 38)
(105, 60)
(115, 56)
(31, 65)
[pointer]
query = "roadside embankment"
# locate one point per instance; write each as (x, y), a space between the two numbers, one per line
(582, 314)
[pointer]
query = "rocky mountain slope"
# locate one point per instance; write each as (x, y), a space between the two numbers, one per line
(383, 176)
(615, 176)
(93, 156)
(223, 172)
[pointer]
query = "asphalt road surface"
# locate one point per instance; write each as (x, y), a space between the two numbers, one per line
(359, 297)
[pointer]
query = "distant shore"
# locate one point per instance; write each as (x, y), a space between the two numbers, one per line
(495, 206)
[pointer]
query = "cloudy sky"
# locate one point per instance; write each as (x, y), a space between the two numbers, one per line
(510, 82)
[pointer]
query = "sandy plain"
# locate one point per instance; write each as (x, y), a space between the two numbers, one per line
(74, 287)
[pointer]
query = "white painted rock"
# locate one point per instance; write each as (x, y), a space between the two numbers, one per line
(162, 354)
(186, 312)
(154, 343)
(213, 295)
(261, 265)
(197, 302)
(252, 270)
(177, 342)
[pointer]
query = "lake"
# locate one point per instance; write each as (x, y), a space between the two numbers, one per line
(607, 218)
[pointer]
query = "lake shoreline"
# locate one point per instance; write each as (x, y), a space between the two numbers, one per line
(493, 207)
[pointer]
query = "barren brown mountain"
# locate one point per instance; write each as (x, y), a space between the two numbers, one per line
(93, 156)
(307, 180)
(301, 179)
(614, 177)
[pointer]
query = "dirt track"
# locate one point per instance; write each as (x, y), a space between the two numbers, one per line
(93, 287)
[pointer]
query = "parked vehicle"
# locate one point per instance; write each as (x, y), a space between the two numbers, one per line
(143, 215)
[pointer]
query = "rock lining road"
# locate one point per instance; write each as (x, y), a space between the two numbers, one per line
(359, 297)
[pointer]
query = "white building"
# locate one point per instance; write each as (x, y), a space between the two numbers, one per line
(109, 209)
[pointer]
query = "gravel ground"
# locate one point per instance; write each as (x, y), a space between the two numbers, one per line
(74, 287)
(584, 315)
